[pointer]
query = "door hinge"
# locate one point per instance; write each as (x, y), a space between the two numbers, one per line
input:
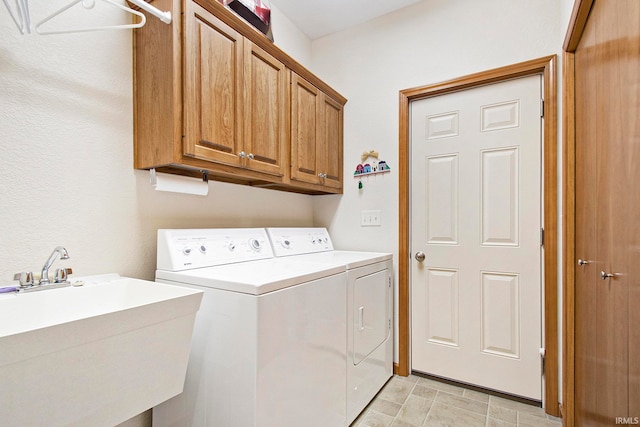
(542, 108)
(542, 237)
(543, 352)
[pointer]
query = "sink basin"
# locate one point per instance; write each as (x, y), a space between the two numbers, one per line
(95, 355)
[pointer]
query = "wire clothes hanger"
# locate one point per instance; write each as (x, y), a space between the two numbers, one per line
(89, 4)
(20, 15)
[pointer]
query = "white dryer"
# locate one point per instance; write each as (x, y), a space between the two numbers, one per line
(269, 340)
(369, 277)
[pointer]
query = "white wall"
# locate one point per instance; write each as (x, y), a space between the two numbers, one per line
(66, 156)
(66, 175)
(289, 38)
(428, 42)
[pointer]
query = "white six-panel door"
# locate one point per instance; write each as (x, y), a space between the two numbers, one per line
(476, 217)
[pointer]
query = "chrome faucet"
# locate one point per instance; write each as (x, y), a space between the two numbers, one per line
(44, 277)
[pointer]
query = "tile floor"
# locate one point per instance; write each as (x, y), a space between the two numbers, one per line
(415, 402)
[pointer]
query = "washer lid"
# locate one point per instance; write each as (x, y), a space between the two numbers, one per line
(255, 277)
(348, 259)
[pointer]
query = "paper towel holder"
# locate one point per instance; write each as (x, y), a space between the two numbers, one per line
(205, 174)
(178, 183)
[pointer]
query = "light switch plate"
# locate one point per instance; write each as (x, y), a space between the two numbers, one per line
(370, 218)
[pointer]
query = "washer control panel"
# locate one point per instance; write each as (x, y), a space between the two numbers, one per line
(196, 248)
(298, 241)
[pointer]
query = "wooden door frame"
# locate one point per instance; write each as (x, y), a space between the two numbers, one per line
(577, 24)
(546, 67)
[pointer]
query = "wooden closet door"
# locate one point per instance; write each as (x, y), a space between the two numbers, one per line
(607, 211)
(630, 118)
(586, 249)
(612, 311)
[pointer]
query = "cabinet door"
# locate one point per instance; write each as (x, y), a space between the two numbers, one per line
(306, 104)
(265, 108)
(212, 88)
(330, 149)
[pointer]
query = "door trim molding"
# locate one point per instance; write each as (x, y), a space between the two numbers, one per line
(545, 66)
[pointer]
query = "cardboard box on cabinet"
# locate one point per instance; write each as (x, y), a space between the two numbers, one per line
(255, 12)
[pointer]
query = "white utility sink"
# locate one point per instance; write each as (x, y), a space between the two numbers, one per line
(94, 355)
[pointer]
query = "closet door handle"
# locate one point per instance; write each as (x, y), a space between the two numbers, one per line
(604, 275)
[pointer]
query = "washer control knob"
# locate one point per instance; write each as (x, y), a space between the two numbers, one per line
(186, 250)
(255, 244)
(285, 243)
(203, 249)
(231, 246)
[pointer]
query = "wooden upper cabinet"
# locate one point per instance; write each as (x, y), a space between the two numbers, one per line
(316, 135)
(235, 97)
(212, 94)
(265, 111)
(213, 97)
(305, 130)
(330, 149)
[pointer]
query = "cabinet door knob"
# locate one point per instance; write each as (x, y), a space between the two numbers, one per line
(582, 262)
(322, 175)
(242, 154)
(250, 156)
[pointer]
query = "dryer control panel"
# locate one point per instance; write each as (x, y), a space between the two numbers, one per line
(196, 248)
(299, 241)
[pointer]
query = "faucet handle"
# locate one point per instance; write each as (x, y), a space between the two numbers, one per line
(25, 278)
(62, 274)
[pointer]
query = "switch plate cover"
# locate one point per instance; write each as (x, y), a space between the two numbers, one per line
(370, 218)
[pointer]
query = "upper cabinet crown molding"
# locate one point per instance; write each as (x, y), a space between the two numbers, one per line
(211, 93)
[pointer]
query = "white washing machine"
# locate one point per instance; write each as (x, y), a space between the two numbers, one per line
(269, 340)
(369, 307)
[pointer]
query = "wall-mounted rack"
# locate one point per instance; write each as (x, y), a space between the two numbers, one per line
(21, 15)
(359, 175)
